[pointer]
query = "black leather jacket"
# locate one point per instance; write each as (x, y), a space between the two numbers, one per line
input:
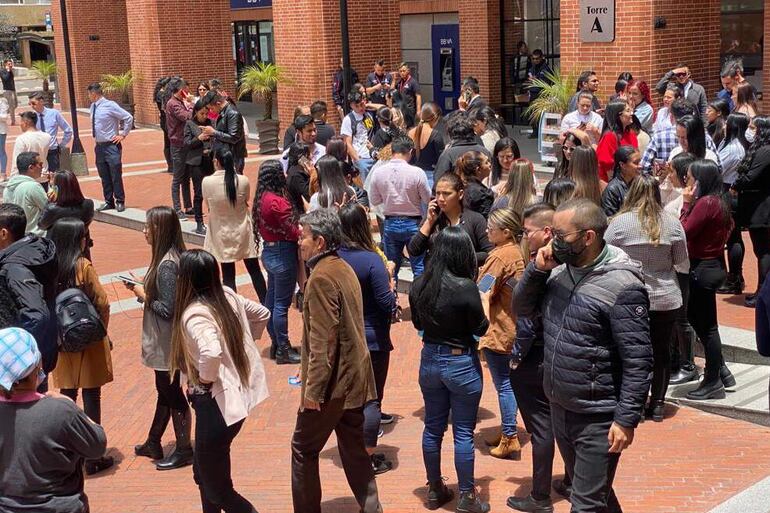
(230, 132)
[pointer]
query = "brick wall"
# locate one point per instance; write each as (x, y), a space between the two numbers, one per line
(692, 35)
(90, 59)
(160, 46)
(307, 44)
(764, 105)
(480, 45)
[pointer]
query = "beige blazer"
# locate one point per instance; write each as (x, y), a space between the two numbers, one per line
(230, 236)
(215, 364)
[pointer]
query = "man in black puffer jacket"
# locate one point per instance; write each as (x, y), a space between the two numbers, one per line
(598, 356)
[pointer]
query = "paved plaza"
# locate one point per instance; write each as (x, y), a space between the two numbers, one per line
(692, 462)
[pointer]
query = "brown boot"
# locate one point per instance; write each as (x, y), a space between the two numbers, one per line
(509, 448)
(494, 442)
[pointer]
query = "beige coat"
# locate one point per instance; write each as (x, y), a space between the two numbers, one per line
(214, 364)
(91, 367)
(230, 236)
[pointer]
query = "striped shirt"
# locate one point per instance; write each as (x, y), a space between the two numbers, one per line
(660, 262)
(731, 156)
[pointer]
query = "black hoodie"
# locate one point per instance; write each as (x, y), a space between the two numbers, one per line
(28, 270)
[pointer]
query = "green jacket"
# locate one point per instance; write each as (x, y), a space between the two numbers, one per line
(29, 194)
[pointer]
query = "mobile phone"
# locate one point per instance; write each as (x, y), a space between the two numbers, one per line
(128, 279)
(486, 282)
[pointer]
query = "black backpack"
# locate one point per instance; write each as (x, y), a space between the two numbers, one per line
(78, 321)
(9, 310)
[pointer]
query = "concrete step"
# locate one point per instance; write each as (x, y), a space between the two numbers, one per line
(738, 346)
(134, 219)
(747, 401)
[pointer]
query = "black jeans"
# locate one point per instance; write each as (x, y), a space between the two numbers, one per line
(181, 179)
(760, 241)
(684, 336)
(169, 391)
(661, 333)
(196, 175)
(211, 460)
(53, 159)
(736, 249)
(702, 312)
(313, 429)
(110, 166)
(92, 401)
(583, 444)
(373, 409)
(527, 383)
(257, 278)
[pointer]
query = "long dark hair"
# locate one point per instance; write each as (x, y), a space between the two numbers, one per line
(506, 143)
(622, 156)
(271, 178)
(356, 230)
(68, 189)
(468, 165)
(165, 235)
(716, 129)
(297, 150)
(558, 190)
(735, 128)
(225, 158)
(761, 139)
(696, 134)
(452, 253)
(337, 148)
(706, 173)
(564, 164)
(488, 115)
(200, 105)
(612, 117)
(199, 281)
(681, 163)
(332, 186)
(67, 234)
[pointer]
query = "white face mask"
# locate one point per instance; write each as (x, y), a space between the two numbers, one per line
(751, 134)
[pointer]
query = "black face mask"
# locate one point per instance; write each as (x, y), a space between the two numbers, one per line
(565, 252)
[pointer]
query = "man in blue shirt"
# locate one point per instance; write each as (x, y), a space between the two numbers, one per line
(110, 125)
(49, 121)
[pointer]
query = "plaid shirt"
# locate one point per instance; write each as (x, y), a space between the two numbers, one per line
(662, 144)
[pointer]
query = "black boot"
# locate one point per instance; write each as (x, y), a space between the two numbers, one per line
(380, 464)
(685, 374)
(200, 228)
(287, 354)
(98, 464)
(438, 494)
(470, 503)
(732, 285)
(530, 504)
(656, 410)
(710, 388)
(563, 487)
(183, 452)
(152, 447)
(728, 380)
(273, 349)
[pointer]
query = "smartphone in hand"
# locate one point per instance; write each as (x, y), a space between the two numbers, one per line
(486, 283)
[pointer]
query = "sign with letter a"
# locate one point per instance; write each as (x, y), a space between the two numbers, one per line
(597, 21)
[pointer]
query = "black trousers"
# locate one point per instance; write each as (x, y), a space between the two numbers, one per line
(169, 391)
(684, 336)
(313, 429)
(702, 312)
(373, 409)
(196, 175)
(527, 383)
(760, 241)
(211, 460)
(661, 333)
(181, 178)
(255, 272)
(92, 401)
(582, 440)
(53, 159)
(110, 166)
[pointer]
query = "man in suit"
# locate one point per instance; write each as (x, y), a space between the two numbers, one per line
(690, 90)
(229, 130)
(470, 96)
(337, 375)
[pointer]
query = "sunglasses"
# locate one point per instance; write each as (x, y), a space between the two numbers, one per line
(680, 75)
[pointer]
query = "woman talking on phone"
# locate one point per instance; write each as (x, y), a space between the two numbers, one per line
(447, 210)
(504, 265)
(163, 233)
(65, 199)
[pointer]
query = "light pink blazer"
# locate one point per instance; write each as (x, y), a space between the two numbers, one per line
(215, 365)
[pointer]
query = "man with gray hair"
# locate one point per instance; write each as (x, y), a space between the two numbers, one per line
(598, 355)
(336, 370)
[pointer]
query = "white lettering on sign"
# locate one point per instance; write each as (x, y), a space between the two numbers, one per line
(597, 21)
(447, 41)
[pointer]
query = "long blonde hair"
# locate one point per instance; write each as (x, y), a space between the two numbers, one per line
(511, 220)
(585, 174)
(644, 198)
(199, 281)
(520, 186)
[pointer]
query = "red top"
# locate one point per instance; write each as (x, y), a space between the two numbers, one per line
(605, 151)
(705, 228)
(276, 219)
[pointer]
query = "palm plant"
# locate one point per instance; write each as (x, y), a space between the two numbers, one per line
(45, 70)
(260, 82)
(556, 91)
(120, 85)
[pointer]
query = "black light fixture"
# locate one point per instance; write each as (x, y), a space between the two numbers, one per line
(78, 156)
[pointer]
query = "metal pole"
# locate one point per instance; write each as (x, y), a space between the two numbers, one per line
(79, 165)
(347, 75)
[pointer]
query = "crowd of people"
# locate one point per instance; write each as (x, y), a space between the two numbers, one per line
(584, 301)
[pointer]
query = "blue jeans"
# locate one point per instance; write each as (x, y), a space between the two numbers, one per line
(450, 383)
(280, 260)
(396, 234)
(364, 165)
(500, 369)
(3, 154)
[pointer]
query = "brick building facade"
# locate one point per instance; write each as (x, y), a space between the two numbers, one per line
(116, 35)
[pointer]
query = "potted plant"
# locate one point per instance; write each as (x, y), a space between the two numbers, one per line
(45, 70)
(120, 86)
(260, 82)
(555, 93)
